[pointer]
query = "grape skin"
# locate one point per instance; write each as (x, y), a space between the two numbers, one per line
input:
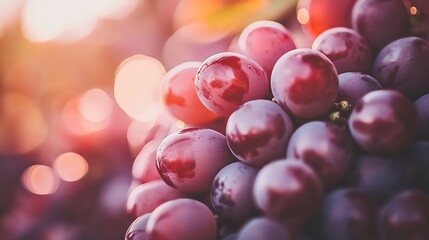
(258, 132)
(422, 106)
(383, 122)
(181, 219)
(354, 85)
(305, 83)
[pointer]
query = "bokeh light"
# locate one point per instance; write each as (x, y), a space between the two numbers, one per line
(137, 87)
(22, 124)
(303, 16)
(71, 166)
(96, 105)
(40, 180)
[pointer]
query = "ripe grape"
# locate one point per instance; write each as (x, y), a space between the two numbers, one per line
(263, 228)
(382, 176)
(403, 65)
(346, 48)
(383, 122)
(148, 196)
(179, 95)
(181, 219)
(422, 106)
(348, 214)
(231, 193)
(405, 216)
(380, 22)
(354, 85)
(190, 158)
(226, 80)
(325, 147)
(305, 82)
(418, 156)
(258, 132)
(137, 229)
(289, 191)
(144, 165)
(265, 42)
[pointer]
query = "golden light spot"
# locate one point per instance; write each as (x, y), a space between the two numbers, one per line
(40, 180)
(180, 124)
(137, 86)
(303, 16)
(71, 166)
(413, 10)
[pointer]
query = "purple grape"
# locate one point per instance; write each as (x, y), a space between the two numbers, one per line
(382, 176)
(405, 216)
(265, 42)
(305, 82)
(418, 154)
(348, 214)
(384, 122)
(189, 159)
(263, 228)
(422, 106)
(380, 21)
(325, 147)
(354, 85)
(258, 132)
(289, 191)
(403, 65)
(227, 80)
(231, 193)
(346, 48)
(148, 196)
(181, 219)
(137, 229)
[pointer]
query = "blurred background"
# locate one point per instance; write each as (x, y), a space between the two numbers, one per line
(79, 98)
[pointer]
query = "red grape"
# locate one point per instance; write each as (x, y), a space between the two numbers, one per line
(422, 106)
(148, 196)
(305, 82)
(190, 158)
(383, 121)
(354, 85)
(288, 190)
(346, 48)
(325, 147)
(227, 80)
(263, 228)
(144, 166)
(137, 229)
(265, 42)
(258, 132)
(181, 219)
(180, 97)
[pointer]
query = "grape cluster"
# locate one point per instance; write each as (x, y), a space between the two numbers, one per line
(282, 142)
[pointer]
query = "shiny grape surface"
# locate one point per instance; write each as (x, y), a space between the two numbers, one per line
(305, 82)
(265, 42)
(189, 159)
(327, 148)
(354, 85)
(226, 80)
(346, 48)
(181, 219)
(384, 122)
(258, 132)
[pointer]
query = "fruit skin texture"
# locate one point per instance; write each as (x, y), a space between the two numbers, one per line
(405, 216)
(181, 219)
(383, 122)
(403, 65)
(258, 132)
(346, 48)
(179, 95)
(305, 82)
(327, 148)
(289, 191)
(189, 159)
(226, 80)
